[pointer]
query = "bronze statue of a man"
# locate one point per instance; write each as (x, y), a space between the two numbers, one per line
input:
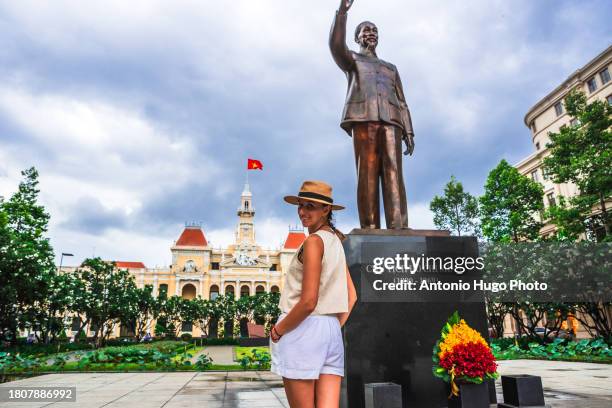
(376, 113)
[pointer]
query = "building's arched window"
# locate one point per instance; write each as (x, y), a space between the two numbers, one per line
(187, 327)
(163, 291)
(229, 290)
(246, 205)
(214, 292)
(274, 289)
(260, 289)
(189, 291)
(245, 291)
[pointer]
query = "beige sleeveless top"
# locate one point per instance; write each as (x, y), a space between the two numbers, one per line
(333, 291)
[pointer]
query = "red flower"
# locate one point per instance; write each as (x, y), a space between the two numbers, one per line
(470, 360)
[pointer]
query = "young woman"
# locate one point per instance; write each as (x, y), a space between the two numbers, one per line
(317, 298)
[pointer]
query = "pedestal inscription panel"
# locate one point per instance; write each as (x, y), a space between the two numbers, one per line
(392, 341)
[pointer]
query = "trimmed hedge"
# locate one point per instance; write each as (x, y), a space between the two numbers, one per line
(167, 355)
(227, 341)
(45, 349)
(39, 350)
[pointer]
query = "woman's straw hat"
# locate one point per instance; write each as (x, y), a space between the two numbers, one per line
(317, 191)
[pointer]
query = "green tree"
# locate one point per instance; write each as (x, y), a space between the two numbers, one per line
(102, 293)
(170, 319)
(527, 262)
(507, 211)
(53, 310)
(26, 257)
(508, 205)
(227, 305)
(266, 309)
(204, 311)
(215, 313)
(245, 310)
(140, 311)
(8, 293)
(457, 210)
(245, 307)
(582, 154)
(188, 313)
(568, 218)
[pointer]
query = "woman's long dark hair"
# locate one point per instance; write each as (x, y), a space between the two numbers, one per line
(330, 221)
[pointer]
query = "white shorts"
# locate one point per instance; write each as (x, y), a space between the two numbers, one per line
(312, 348)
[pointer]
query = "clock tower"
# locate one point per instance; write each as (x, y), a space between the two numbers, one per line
(245, 231)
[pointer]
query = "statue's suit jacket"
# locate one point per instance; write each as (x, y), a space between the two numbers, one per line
(374, 88)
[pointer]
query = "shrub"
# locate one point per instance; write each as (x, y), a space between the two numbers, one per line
(123, 355)
(257, 359)
(160, 330)
(596, 349)
(40, 350)
(6, 361)
(166, 346)
(220, 342)
(506, 342)
(62, 337)
(59, 361)
(262, 359)
(10, 362)
(120, 341)
(186, 336)
(203, 362)
(245, 362)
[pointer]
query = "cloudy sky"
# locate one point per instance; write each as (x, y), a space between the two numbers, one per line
(141, 115)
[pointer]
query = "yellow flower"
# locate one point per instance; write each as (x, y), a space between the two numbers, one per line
(460, 334)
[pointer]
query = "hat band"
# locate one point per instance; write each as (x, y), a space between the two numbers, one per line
(308, 194)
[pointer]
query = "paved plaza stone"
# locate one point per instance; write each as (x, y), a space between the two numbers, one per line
(566, 385)
(170, 390)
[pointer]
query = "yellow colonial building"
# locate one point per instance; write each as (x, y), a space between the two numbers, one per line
(549, 115)
(243, 268)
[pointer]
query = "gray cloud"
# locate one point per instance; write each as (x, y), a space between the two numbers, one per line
(90, 216)
(154, 110)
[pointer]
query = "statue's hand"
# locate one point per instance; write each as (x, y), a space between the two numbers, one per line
(409, 140)
(345, 5)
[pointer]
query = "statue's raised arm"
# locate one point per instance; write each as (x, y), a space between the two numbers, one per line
(337, 37)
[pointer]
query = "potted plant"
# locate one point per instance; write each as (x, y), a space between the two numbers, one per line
(463, 359)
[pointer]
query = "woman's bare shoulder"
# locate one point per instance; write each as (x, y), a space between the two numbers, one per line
(313, 240)
(313, 244)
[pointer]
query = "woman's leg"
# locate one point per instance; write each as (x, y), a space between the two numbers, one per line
(327, 391)
(300, 393)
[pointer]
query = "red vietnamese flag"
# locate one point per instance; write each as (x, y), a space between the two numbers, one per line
(254, 165)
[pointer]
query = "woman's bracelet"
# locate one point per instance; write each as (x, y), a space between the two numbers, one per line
(276, 331)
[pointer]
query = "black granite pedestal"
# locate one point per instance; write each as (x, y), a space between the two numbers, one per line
(522, 391)
(391, 340)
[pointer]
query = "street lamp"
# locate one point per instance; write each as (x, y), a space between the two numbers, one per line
(62, 259)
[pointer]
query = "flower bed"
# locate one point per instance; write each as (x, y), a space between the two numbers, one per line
(163, 354)
(587, 350)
